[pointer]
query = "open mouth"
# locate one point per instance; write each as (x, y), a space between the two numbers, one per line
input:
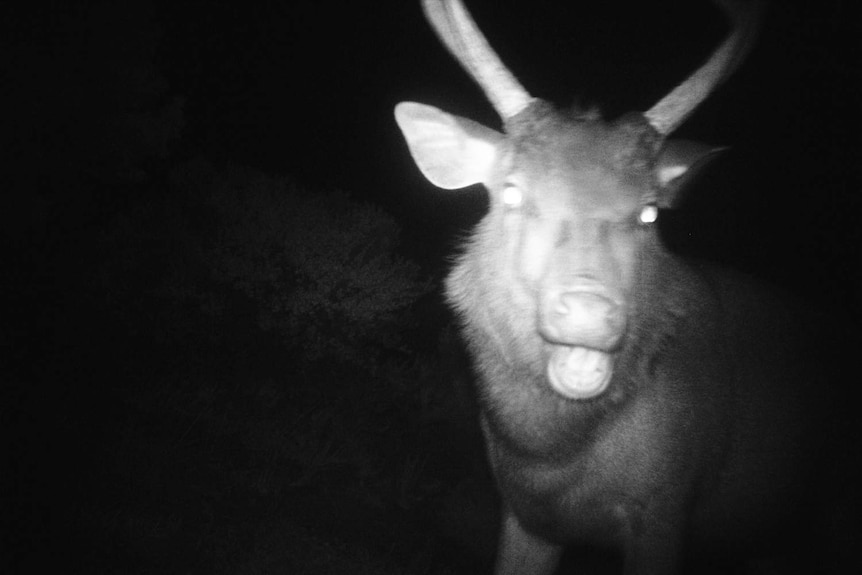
(581, 326)
(579, 372)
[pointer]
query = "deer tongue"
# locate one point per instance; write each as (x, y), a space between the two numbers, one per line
(579, 372)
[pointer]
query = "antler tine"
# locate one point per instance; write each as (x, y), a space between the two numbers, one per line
(673, 109)
(457, 30)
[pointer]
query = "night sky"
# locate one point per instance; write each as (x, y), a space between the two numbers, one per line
(113, 96)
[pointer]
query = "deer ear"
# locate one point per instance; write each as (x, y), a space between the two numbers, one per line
(452, 152)
(678, 162)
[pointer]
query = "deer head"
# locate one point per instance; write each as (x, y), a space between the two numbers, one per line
(554, 266)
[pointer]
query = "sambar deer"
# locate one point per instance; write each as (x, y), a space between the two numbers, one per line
(629, 398)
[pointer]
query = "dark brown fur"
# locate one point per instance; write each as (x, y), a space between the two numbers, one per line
(629, 398)
(707, 437)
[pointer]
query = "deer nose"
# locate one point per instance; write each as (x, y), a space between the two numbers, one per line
(584, 307)
(584, 318)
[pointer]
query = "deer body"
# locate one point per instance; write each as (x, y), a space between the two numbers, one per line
(678, 452)
(628, 397)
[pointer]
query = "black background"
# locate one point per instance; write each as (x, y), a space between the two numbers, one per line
(305, 89)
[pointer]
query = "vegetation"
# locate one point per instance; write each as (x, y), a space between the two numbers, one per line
(233, 378)
(211, 369)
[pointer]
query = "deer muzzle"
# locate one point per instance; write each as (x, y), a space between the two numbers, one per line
(582, 328)
(586, 318)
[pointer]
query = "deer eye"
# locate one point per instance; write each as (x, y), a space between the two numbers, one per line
(648, 214)
(512, 196)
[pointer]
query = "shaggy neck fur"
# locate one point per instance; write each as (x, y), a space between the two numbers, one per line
(669, 298)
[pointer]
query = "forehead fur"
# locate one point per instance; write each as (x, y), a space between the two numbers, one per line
(626, 146)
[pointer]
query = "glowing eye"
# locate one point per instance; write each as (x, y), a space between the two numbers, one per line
(649, 214)
(512, 196)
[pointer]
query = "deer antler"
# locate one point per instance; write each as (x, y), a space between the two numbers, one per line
(673, 109)
(459, 33)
